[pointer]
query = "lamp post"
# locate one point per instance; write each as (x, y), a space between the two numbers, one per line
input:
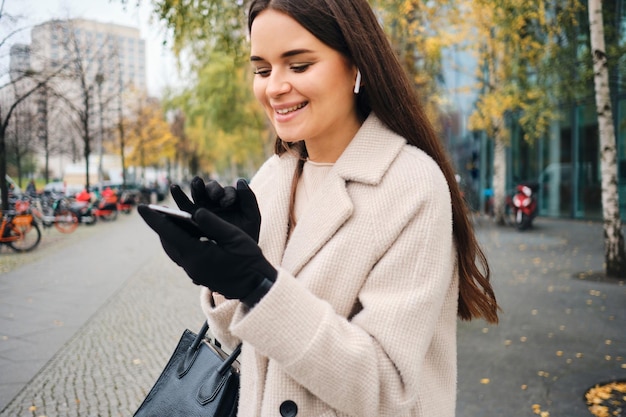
(99, 81)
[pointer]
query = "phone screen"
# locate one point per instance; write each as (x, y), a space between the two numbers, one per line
(181, 218)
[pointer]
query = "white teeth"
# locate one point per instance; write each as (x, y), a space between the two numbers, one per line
(290, 109)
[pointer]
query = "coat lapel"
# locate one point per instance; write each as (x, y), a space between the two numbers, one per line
(275, 209)
(365, 160)
(329, 208)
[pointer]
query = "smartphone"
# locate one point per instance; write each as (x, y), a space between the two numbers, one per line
(181, 218)
(179, 214)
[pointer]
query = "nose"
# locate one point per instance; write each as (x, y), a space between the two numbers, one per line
(277, 84)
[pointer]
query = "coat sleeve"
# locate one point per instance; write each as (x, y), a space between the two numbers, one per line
(219, 317)
(376, 362)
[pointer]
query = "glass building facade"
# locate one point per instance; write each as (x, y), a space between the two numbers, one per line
(565, 164)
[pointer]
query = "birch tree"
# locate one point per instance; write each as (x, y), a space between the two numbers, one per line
(613, 237)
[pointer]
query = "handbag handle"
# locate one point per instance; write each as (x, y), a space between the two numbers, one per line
(192, 352)
(229, 360)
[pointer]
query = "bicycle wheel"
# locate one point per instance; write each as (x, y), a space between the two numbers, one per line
(109, 216)
(28, 232)
(66, 221)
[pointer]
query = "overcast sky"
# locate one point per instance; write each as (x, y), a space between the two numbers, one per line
(160, 66)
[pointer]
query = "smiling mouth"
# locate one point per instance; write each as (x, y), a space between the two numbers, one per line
(291, 109)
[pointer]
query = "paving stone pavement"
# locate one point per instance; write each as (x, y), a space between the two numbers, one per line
(107, 369)
(562, 330)
(109, 365)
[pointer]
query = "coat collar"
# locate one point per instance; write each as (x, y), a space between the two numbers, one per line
(370, 153)
(365, 160)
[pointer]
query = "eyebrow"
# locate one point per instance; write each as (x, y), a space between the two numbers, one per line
(287, 54)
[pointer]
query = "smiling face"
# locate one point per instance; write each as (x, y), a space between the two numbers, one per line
(305, 86)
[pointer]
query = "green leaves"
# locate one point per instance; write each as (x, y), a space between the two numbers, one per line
(202, 26)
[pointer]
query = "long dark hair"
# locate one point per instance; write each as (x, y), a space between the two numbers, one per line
(351, 28)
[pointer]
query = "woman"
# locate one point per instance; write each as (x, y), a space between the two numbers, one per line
(349, 307)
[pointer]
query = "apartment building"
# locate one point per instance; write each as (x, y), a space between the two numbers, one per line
(116, 52)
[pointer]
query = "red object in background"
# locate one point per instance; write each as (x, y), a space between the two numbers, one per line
(524, 205)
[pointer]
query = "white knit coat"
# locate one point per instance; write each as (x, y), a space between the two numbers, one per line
(361, 320)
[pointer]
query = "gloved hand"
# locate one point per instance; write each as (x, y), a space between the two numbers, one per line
(236, 206)
(227, 260)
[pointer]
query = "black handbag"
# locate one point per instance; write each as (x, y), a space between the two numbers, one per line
(199, 380)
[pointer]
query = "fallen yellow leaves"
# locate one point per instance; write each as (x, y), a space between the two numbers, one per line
(537, 410)
(606, 400)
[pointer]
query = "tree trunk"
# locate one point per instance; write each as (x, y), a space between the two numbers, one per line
(499, 178)
(613, 237)
(4, 189)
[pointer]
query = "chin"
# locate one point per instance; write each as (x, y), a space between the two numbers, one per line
(289, 137)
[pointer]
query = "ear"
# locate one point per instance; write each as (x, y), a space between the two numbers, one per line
(357, 83)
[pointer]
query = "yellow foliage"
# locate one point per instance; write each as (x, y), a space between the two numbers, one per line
(516, 42)
(149, 140)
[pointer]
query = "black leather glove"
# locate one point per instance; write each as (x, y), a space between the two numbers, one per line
(237, 206)
(225, 260)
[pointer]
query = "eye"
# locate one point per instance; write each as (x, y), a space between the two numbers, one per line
(299, 67)
(263, 72)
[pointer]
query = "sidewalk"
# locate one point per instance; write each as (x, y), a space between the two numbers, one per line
(125, 321)
(562, 328)
(559, 334)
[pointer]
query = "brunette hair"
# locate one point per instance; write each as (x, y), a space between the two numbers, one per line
(351, 28)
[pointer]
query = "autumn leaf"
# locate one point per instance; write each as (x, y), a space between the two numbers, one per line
(607, 400)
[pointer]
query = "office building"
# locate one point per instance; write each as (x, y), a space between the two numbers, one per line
(565, 163)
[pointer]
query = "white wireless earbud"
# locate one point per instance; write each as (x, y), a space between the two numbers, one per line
(357, 84)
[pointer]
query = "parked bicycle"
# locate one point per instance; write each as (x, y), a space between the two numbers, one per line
(19, 231)
(52, 210)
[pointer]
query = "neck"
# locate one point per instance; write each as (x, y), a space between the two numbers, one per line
(329, 148)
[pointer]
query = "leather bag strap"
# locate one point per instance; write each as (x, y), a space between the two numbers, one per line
(192, 352)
